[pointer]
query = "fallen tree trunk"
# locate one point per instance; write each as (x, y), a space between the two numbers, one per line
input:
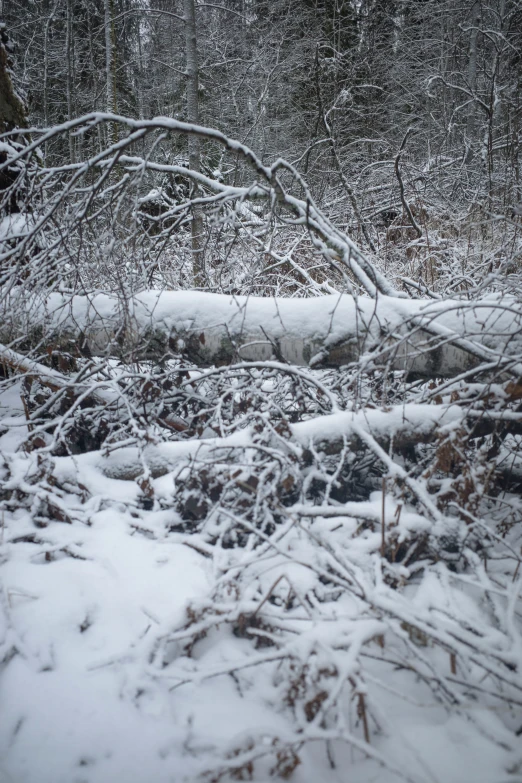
(425, 338)
(404, 424)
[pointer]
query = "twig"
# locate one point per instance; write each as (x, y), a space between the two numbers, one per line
(383, 519)
(405, 204)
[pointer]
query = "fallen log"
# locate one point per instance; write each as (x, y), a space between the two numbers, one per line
(424, 338)
(404, 424)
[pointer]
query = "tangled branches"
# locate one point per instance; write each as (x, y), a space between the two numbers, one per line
(345, 466)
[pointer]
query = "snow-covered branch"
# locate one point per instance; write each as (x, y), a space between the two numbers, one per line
(270, 184)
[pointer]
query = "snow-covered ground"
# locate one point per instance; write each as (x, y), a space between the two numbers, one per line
(133, 652)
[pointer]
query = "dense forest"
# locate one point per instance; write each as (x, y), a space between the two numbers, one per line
(260, 391)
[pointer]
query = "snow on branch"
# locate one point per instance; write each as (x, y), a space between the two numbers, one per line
(92, 226)
(269, 184)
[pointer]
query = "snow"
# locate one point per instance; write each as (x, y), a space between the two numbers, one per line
(327, 317)
(412, 420)
(10, 149)
(323, 608)
(156, 194)
(14, 227)
(119, 635)
(406, 419)
(306, 330)
(68, 700)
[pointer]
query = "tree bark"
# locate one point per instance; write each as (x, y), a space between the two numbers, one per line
(192, 72)
(472, 68)
(110, 65)
(12, 109)
(69, 56)
(12, 117)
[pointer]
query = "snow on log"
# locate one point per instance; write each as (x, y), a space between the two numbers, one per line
(404, 424)
(427, 338)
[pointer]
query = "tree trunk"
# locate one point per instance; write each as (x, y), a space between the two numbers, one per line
(12, 109)
(69, 56)
(425, 338)
(110, 64)
(472, 69)
(407, 425)
(12, 116)
(192, 72)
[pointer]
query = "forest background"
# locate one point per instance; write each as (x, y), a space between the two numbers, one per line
(261, 390)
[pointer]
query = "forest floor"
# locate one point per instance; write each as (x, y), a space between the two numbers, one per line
(92, 583)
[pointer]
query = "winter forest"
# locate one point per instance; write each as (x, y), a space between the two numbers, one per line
(260, 391)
